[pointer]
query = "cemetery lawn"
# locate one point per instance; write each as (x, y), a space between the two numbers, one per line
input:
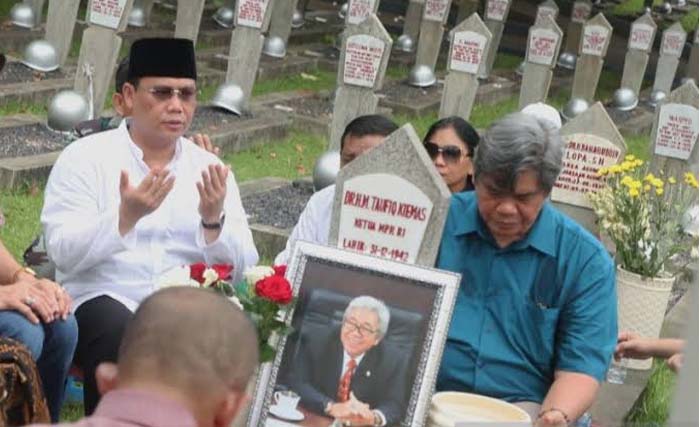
(653, 405)
(631, 7)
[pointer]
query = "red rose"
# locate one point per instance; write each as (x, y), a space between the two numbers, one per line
(274, 288)
(280, 270)
(223, 271)
(197, 272)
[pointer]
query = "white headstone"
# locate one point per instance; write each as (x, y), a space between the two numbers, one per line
(596, 35)
(251, 13)
(431, 32)
(672, 42)
(580, 12)
(359, 10)
(106, 13)
(60, 25)
(544, 42)
(496, 13)
(639, 45)
(547, 8)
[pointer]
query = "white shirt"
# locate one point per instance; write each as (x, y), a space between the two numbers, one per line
(314, 223)
(81, 220)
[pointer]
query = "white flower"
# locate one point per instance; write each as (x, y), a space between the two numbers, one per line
(253, 274)
(178, 276)
(236, 301)
(210, 276)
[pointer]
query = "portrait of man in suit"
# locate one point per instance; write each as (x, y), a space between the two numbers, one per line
(349, 373)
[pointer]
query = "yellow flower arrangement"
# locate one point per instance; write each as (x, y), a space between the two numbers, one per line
(643, 214)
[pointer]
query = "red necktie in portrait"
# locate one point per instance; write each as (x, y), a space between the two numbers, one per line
(344, 386)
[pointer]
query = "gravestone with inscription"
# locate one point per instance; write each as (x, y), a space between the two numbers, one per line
(544, 41)
(674, 136)
(251, 19)
(60, 23)
(691, 69)
(281, 22)
(591, 141)
(99, 50)
(672, 42)
(639, 45)
(580, 12)
(547, 8)
(189, 16)
(495, 15)
(469, 43)
(359, 10)
(412, 20)
(431, 33)
(361, 68)
(595, 39)
(391, 202)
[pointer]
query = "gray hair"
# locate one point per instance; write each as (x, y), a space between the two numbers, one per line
(517, 143)
(371, 303)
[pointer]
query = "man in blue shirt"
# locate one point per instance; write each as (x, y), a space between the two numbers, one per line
(535, 321)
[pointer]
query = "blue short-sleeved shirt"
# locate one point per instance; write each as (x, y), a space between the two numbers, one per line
(544, 303)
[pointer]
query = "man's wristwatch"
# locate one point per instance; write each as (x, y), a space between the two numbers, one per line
(214, 225)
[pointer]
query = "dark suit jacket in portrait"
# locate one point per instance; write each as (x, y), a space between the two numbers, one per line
(379, 380)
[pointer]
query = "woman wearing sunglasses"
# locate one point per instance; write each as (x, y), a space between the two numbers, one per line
(451, 142)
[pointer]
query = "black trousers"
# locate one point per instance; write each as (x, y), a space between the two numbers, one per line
(101, 323)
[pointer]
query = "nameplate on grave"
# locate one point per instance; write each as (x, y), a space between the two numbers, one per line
(672, 43)
(584, 155)
(641, 37)
(363, 56)
(467, 51)
(435, 10)
(383, 215)
(107, 13)
(594, 38)
(580, 12)
(543, 12)
(359, 10)
(251, 13)
(543, 46)
(496, 9)
(677, 131)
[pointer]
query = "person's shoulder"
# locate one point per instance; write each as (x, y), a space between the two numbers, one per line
(101, 144)
(323, 196)
(571, 233)
(460, 205)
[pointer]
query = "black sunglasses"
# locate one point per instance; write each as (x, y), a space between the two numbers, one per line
(451, 153)
(164, 93)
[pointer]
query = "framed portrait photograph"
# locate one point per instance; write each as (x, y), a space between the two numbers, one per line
(367, 341)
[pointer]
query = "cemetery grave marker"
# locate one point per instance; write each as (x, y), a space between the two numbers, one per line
(359, 10)
(60, 24)
(189, 16)
(595, 39)
(412, 20)
(691, 70)
(672, 42)
(496, 13)
(469, 43)
(674, 136)
(544, 42)
(547, 8)
(431, 32)
(580, 12)
(591, 141)
(640, 43)
(281, 22)
(361, 69)
(391, 202)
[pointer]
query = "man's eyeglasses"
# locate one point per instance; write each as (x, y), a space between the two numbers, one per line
(451, 153)
(165, 93)
(363, 331)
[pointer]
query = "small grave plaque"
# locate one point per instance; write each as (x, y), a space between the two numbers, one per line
(436, 10)
(547, 9)
(677, 131)
(467, 51)
(542, 47)
(672, 43)
(363, 57)
(359, 10)
(251, 13)
(496, 10)
(594, 40)
(107, 13)
(580, 12)
(641, 37)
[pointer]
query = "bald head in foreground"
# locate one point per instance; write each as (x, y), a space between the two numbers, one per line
(185, 360)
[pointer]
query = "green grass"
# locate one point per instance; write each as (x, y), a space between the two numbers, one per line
(652, 406)
(638, 145)
(631, 7)
(290, 159)
(14, 107)
(690, 20)
(72, 412)
(506, 61)
(22, 209)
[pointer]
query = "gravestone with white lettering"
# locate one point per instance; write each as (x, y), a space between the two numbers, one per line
(672, 42)
(189, 16)
(591, 141)
(99, 50)
(469, 43)
(547, 8)
(639, 45)
(60, 23)
(544, 41)
(495, 15)
(391, 202)
(431, 32)
(361, 69)
(674, 136)
(580, 12)
(412, 19)
(359, 10)
(281, 22)
(691, 69)
(252, 18)
(595, 39)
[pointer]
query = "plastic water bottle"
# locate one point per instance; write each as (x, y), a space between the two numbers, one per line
(584, 420)
(617, 372)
